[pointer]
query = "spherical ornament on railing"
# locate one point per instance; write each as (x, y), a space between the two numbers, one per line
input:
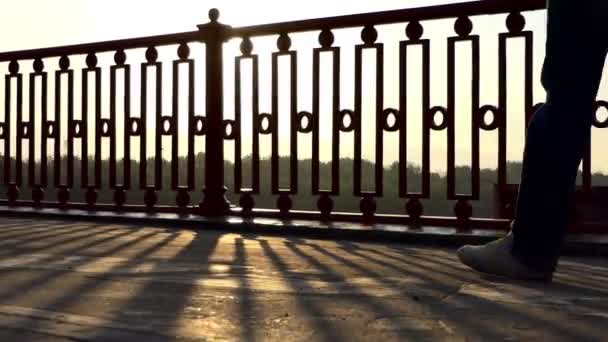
(90, 196)
(12, 193)
(246, 46)
(284, 203)
(463, 26)
(326, 38)
(38, 65)
(325, 204)
(183, 51)
(150, 197)
(463, 210)
(151, 54)
(369, 34)
(183, 198)
(414, 209)
(214, 14)
(37, 195)
(283, 42)
(120, 196)
(64, 63)
(120, 57)
(13, 67)
(91, 60)
(515, 22)
(246, 202)
(414, 30)
(63, 196)
(368, 206)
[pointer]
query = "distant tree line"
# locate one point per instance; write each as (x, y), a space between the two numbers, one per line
(389, 203)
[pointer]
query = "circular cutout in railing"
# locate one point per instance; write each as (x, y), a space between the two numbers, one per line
(135, 126)
(200, 125)
(305, 122)
(600, 117)
(484, 123)
(265, 123)
(1, 130)
(347, 120)
(25, 130)
(230, 129)
(105, 128)
(166, 125)
(77, 129)
(50, 129)
(391, 120)
(433, 116)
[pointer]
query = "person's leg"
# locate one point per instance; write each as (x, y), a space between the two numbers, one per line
(558, 132)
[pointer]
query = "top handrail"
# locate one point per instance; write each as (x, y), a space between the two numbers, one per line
(473, 8)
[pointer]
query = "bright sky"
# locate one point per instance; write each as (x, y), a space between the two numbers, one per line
(42, 23)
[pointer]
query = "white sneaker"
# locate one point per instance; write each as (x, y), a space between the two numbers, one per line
(495, 258)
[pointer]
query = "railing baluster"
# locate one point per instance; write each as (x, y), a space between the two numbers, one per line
(246, 201)
(325, 203)
(34, 182)
(414, 207)
(368, 203)
(515, 23)
(13, 183)
(284, 202)
(183, 198)
(150, 195)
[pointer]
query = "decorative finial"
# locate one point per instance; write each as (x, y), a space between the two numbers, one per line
(214, 14)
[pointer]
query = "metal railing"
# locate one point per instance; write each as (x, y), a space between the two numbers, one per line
(215, 129)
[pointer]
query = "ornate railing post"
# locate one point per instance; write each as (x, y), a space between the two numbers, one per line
(214, 35)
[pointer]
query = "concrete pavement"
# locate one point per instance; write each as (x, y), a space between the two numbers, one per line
(77, 281)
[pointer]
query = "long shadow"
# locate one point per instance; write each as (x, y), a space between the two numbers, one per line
(79, 248)
(38, 231)
(245, 293)
(355, 250)
(21, 225)
(366, 300)
(322, 326)
(75, 295)
(41, 280)
(10, 222)
(172, 297)
(487, 306)
(74, 235)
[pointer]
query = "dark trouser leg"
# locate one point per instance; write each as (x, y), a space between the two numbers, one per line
(558, 132)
